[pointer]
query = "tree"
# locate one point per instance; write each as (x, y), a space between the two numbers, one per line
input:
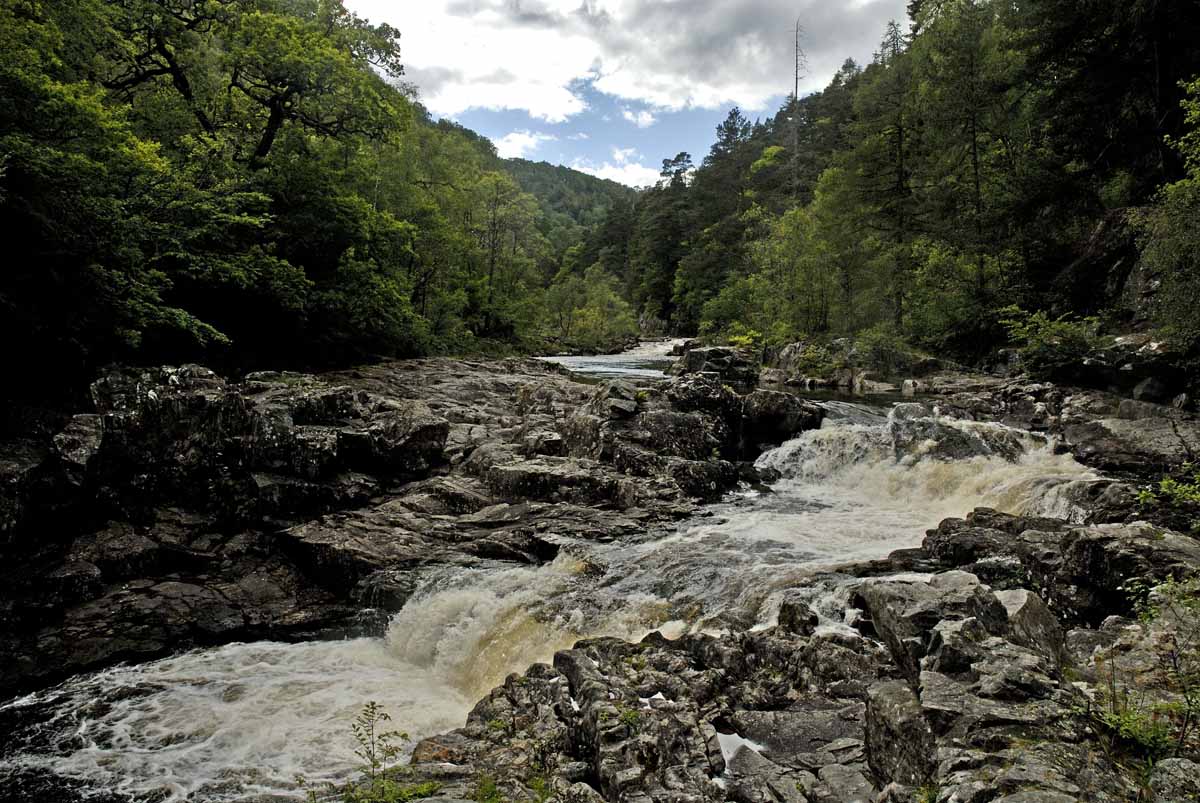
(882, 164)
(1171, 239)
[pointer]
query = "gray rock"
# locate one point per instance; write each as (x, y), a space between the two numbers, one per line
(773, 417)
(900, 743)
(733, 367)
(904, 613)
(795, 616)
(1175, 779)
(1032, 624)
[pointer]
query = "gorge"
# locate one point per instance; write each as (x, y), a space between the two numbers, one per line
(415, 533)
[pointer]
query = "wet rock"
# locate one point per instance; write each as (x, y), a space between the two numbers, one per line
(733, 367)
(1078, 571)
(752, 778)
(554, 479)
(77, 446)
(20, 464)
(1032, 624)
(1153, 389)
(772, 417)
(683, 347)
(614, 399)
(796, 617)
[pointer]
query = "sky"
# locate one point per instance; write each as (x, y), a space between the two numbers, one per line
(613, 87)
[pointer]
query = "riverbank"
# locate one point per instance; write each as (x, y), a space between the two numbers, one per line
(487, 514)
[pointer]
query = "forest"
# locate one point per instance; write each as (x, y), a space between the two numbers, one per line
(948, 187)
(254, 183)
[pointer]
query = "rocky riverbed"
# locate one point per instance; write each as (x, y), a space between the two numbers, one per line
(415, 532)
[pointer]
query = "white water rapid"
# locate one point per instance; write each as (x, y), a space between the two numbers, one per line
(238, 723)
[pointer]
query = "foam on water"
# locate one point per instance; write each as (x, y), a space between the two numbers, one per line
(239, 722)
(231, 723)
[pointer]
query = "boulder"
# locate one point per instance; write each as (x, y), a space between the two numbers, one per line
(1080, 572)
(904, 613)
(1175, 779)
(900, 743)
(795, 616)
(771, 417)
(1032, 624)
(734, 367)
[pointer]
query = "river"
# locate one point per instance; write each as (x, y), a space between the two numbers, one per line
(240, 722)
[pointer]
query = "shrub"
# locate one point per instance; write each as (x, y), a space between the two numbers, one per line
(1049, 345)
(487, 791)
(377, 782)
(882, 350)
(1155, 714)
(1174, 501)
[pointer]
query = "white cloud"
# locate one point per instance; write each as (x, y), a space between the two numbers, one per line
(537, 55)
(623, 155)
(518, 144)
(642, 119)
(626, 172)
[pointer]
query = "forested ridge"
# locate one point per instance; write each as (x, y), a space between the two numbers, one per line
(252, 183)
(955, 183)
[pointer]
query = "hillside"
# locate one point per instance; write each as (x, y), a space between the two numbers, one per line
(583, 198)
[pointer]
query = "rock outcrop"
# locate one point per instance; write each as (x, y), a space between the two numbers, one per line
(187, 509)
(937, 687)
(734, 367)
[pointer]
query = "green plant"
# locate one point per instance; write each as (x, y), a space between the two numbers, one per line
(377, 782)
(1156, 715)
(542, 790)
(927, 794)
(815, 360)
(1175, 498)
(487, 791)
(741, 336)
(1049, 345)
(631, 718)
(881, 349)
(376, 746)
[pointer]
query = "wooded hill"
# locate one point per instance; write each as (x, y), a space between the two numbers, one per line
(992, 155)
(251, 183)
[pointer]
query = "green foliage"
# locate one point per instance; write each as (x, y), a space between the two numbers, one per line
(630, 718)
(1170, 237)
(542, 790)
(487, 791)
(378, 780)
(927, 794)
(883, 351)
(1049, 345)
(588, 312)
(376, 746)
(1174, 501)
(954, 176)
(250, 184)
(1154, 712)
